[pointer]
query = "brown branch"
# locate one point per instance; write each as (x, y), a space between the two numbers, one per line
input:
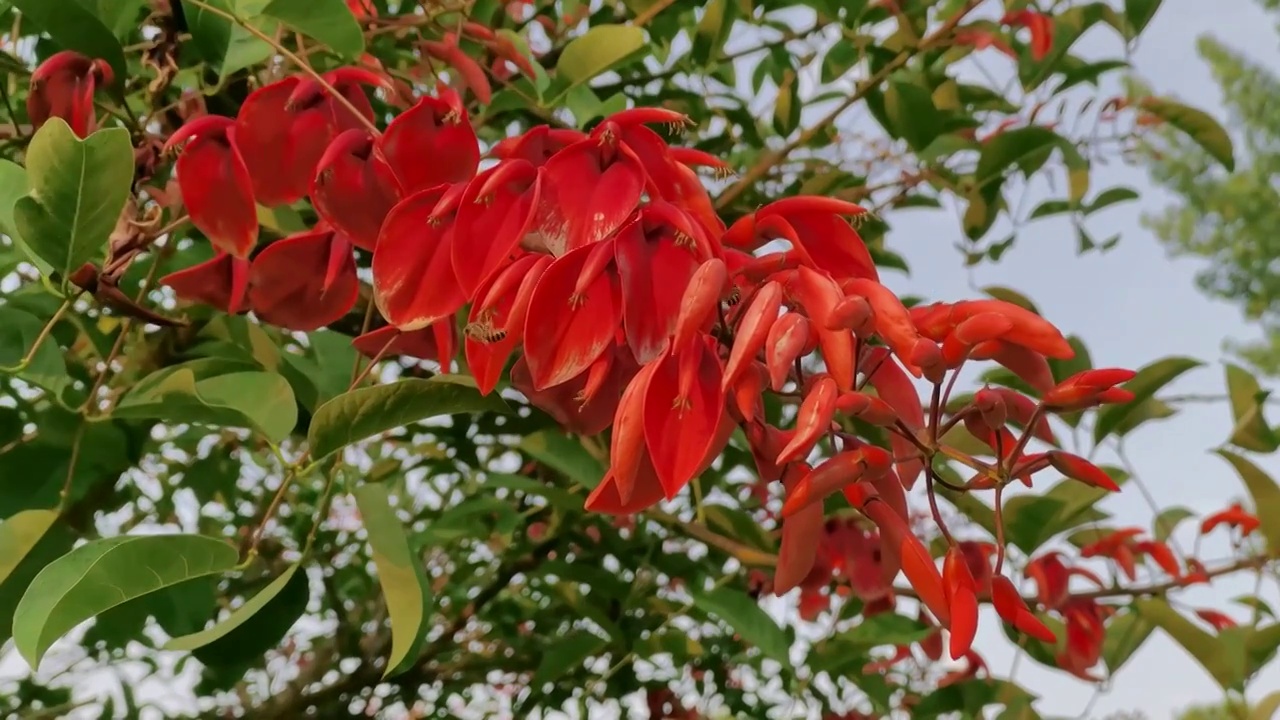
(772, 159)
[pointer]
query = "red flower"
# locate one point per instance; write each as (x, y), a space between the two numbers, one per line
(63, 87)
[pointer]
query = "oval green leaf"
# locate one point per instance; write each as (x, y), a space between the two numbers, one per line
(19, 331)
(1265, 494)
(19, 534)
(262, 401)
(1147, 383)
(1207, 650)
(1251, 430)
(363, 413)
(225, 45)
(404, 584)
(597, 50)
(328, 21)
(75, 27)
(78, 188)
(746, 618)
(13, 185)
(565, 655)
(1197, 125)
(254, 627)
(105, 573)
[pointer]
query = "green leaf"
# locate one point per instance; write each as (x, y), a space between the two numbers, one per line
(78, 188)
(1207, 650)
(75, 27)
(1138, 13)
(1125, 634)
(13, 185)
(363, 413)
(712, 31)
(1265, 709)
(1265, 494)
(329, 21)
(565, 655)
(736, 524)
(1251, 430)
(105, 573)
(404, 584)
(1010, 147)
(565, 455)
(226, 46)
(1147, 383)
(1111, 196)
(262, 401)
(533, 486)
(19, 534)
(746, 618)
(911, 110)
(1168, 520)
(597, 50)
(1011, 296)
(56, 541)
(118, 16)
(1198, 125)
(18, 333)
(887, 629)
(241, 636)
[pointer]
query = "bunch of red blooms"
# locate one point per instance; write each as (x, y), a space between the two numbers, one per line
(597, 260)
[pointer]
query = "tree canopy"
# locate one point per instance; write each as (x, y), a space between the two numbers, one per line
(499, 359)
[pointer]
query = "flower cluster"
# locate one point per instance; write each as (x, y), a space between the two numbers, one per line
(595, 266)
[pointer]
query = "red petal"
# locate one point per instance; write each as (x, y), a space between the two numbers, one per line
(501, 306)
(287, 281)
(494, 215)
(648, 492)
(413, 280)
(679, 428)
(216, 186)
(430, 144)
(565, 332)
(587, 196)
(280, 146)
(354, 189)
(801, 534)
(220, 282)
(654, 272)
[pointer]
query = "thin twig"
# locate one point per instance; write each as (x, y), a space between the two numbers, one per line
(770, 160)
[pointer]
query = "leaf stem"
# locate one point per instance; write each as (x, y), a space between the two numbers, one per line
(44, 335)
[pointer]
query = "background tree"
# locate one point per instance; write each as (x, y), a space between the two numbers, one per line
(1226, 217)
(261, 522)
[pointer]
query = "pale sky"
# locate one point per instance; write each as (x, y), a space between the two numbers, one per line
(1131, 306)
